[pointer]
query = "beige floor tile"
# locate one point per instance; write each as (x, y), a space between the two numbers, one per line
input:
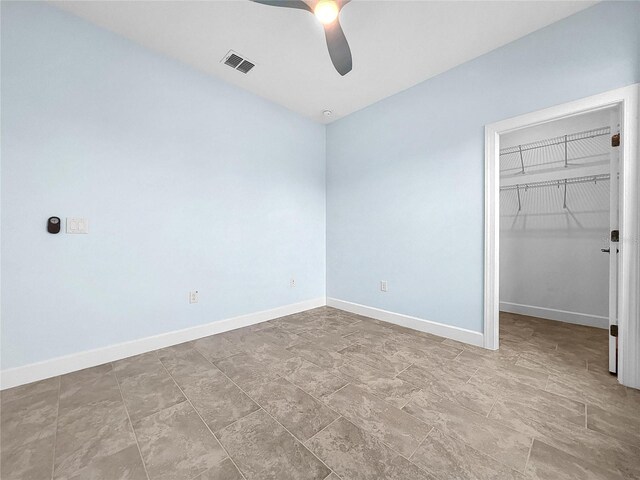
(328, 341)
(403, 346)
(355, 454)
(375, 358)
(488, 436)
(33, 460)
(382, 384)
(625, 428)
(593, 389)
(279, 336)
(263, 450)
(96, 383)
(336, 325)
(216, 398)
(451, 381)
(226, 470)
(571, 438)
(29, 389)
(125, 464)
(493, 362)
(389, 424)
(332, 476)
(246, 370)
(536, 398)
(296, 410)
(466, 346)
(25, 419)
(146, 386)
(314, 353)
(93, 425)
(447, 457)
(184, 361)
(511, 377)
(175, 443)
(89, 433)
(552, 362)
(546, 462)
(217, 347)
(311, 378)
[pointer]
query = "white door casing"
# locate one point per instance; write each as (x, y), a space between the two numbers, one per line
(628, 302)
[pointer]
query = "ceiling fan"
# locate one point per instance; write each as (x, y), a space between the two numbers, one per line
(326, 11)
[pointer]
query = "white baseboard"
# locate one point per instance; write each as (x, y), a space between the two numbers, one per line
(558, 315)
(435, 328)
(77, 361)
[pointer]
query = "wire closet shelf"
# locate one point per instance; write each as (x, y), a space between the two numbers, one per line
(589, 147)
(562, 151)
(557, 183)
(554, 183)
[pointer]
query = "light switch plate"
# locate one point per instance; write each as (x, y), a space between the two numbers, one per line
(77, 225)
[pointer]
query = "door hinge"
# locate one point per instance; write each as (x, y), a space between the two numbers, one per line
(615, 235)
(615, 140)
(613, 330)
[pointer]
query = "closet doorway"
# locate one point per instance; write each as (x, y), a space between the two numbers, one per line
(561, 223)
(558, 205)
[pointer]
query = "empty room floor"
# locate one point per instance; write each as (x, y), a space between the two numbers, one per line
(326, 394)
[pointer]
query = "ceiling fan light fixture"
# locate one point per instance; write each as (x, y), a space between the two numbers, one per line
(326, 11)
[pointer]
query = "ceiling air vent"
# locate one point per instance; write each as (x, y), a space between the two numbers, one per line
(245, 66)
(237, 62)
(233, 60)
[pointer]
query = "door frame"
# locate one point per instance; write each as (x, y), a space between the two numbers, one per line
(626, 99)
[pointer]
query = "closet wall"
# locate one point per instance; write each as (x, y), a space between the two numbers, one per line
(551, 265)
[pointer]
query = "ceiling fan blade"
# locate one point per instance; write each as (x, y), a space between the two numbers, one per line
(286, 3)
(338, 46)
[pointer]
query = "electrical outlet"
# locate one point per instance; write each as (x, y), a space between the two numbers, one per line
(383, 285)
(193, 296)
(292, 282)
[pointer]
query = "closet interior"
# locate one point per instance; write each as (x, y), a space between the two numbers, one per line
(558, 205)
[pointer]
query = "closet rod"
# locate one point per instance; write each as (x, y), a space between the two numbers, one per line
(557, 183)
(562, 140)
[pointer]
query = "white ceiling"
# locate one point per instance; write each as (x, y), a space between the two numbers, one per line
(395, 44)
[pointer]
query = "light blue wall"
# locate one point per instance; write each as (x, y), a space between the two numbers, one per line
(405, 176)
(188, 183)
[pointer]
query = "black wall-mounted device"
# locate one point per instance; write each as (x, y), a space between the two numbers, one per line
(53, 225)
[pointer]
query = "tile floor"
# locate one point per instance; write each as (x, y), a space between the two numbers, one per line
(326, 394)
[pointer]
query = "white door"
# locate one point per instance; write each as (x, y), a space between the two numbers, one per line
(613, 248)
